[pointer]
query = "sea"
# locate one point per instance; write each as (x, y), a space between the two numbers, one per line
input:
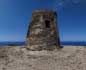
(65, 43)
(12, 43)
(73, 43)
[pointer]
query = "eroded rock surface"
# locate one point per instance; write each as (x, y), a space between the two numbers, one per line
(67, 58)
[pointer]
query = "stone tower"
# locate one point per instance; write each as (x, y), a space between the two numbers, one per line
(43, 31)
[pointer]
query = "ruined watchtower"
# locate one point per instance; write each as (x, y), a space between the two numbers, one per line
(43, 31)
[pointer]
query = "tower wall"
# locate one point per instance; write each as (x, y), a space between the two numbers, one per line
(43, 31)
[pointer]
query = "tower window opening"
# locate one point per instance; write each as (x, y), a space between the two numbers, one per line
(47, 23)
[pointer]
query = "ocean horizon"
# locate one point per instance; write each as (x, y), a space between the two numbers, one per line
(12, 43)
(72, 43)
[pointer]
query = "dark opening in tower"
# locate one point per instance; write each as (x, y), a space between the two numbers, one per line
(47, 23)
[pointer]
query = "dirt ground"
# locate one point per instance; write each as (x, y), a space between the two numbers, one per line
(67, 58)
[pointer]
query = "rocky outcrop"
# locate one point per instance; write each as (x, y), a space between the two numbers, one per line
(19, 58)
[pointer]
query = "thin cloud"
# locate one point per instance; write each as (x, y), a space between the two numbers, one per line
(61, 4)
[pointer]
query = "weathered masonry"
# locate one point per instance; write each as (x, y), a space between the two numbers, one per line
(43, 31)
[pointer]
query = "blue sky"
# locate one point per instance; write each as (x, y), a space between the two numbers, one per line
(15, 17)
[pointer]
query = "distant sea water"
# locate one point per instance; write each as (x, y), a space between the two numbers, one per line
(12, 43)
(73, 43)
(65, 43)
